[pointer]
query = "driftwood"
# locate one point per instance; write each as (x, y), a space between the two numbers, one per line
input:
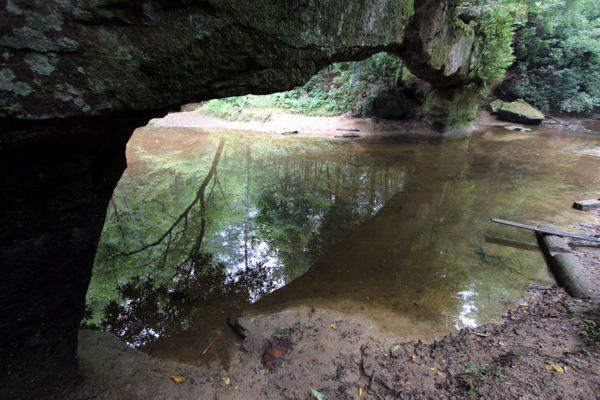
(560, 121)
(541, 229)
(564, 264)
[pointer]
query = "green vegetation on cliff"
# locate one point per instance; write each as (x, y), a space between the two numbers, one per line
(339, 88)
(557, 64)
(551, 50)
(493, 54)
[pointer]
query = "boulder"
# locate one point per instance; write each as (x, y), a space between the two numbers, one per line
(452, 107)
(389, 105)
(495, 106)
(516, 128)
(521, 112)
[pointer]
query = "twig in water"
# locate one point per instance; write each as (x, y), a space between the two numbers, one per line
(209, 346)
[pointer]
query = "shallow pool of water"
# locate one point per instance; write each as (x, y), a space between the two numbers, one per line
(207, 222)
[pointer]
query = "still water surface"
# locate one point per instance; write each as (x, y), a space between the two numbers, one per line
(207, 222)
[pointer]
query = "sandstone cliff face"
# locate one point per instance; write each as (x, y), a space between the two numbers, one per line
(100, 57)
(77, 76)
(67, 58)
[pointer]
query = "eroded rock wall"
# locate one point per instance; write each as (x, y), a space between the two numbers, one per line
(66, 58)
(77, 77)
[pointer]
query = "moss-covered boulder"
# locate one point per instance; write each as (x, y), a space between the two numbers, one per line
(451, 107)
(495, 106)
(521, 112)
(389, 105)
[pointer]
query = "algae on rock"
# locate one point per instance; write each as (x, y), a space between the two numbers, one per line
(452, 107)
(521, 112)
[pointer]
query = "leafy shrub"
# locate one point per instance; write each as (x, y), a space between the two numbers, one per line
(558, 57)
(337, 89)
(493, 53)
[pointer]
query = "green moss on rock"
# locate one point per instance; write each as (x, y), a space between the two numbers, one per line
(451, 107)
(495, 106)
(521, 112)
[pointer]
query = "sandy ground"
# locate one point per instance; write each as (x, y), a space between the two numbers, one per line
(280, 123)
(543, 348)
(305, 126)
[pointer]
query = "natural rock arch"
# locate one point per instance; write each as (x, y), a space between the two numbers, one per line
(77, 77)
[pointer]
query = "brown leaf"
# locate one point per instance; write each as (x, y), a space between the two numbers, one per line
(177, 378)
(209, 346)
(555, 367)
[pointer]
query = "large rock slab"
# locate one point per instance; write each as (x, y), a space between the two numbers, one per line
(521, 112)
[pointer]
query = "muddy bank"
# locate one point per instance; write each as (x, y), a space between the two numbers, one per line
(279, 122)
(286, 354)
(545, 347)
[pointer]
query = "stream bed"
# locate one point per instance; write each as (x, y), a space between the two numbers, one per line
(207, 222)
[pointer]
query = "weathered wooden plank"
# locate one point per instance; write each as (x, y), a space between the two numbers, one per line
(542, 230)
(564, 264)
(586, 204)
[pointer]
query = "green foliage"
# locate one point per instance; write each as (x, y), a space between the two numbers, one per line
(475, 374)
(494, 35)
(339, 88)
(591, 330)
(558, 57)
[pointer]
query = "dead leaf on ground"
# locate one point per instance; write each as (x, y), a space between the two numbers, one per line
(555, 367)
(315, 361)
(177, 378)
(374, 339)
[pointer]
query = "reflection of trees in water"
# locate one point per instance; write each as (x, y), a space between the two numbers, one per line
(257, 206)
(313, 202)
(151, 306)
(148, 309)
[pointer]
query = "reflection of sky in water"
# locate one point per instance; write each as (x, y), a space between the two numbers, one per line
(467, 307)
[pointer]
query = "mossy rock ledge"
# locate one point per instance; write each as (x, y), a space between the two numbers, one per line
(520, 112)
